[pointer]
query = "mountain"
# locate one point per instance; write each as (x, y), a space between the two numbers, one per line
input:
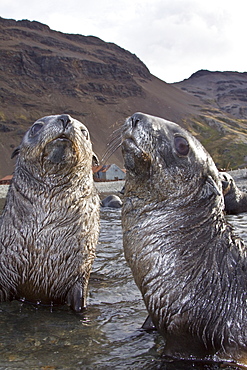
(222, 123)
(46, 72)
(223, 91)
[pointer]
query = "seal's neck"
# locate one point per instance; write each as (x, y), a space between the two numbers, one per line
(24, 179)
(177, 232)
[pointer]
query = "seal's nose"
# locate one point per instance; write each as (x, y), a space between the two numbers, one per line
(65, 119)
(137, 117)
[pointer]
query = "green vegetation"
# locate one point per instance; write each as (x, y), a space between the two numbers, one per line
(2, 117)
(221, 137)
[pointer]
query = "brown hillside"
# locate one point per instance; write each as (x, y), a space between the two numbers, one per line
(46, 72)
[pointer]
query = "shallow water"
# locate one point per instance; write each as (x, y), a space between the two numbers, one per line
(106, 336)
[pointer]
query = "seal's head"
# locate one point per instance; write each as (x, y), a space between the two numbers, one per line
(227, 182)
(53, 146)
(160, 156)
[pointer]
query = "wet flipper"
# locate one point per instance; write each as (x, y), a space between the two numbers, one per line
(75, 298)
(148, 324)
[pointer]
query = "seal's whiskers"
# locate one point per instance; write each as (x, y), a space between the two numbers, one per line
(114, 143)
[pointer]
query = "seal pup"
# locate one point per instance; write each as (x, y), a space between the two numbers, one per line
(235, 199)
(185, 259)
(112, 201)
(50, 224)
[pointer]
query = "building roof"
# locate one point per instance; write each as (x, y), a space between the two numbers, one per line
(6, 178)
(102, 168)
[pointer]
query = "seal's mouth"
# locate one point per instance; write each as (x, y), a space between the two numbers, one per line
(134, 138)
(62, 138)
(59, 150)
(130, 143)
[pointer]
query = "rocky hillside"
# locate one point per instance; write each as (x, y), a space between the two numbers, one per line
(226, 92)
(223, 118)
(46, 72)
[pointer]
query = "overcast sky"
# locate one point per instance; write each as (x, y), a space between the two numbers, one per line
(174, 38)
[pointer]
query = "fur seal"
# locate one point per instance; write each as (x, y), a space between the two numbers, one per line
(185, 259)
(112, 201)
(50, 224)
(235, 199)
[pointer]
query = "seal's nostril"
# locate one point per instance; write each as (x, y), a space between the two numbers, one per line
(134, 121)
(137, 117)
(65, 119)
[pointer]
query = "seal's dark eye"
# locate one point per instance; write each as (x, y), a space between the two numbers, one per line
(85, 133)
(35, 129)
(181, 145)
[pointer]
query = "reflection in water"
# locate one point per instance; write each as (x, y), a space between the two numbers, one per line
(106, 336)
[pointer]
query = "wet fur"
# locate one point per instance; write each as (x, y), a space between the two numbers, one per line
(185, 259)
(50, 224)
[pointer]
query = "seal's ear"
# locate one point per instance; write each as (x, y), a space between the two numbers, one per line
(210, 188)
(95, 160)
(224, 184)
(15, 152)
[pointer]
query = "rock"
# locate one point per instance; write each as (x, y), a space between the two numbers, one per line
(112, 201)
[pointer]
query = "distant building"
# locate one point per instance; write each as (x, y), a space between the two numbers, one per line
(109, 172)
(6, 180)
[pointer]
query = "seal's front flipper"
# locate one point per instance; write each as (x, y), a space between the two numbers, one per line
(148, 324)
(75, 298)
